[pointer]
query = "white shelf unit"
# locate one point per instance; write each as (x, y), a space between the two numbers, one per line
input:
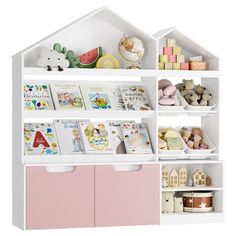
(98, 25)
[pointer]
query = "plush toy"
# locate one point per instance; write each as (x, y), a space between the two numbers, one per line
(193, 98)
(206, 97)
(167, 202)
(199, 90)
(178, 205)
(188, 85)
(50, 58)
(163, 83)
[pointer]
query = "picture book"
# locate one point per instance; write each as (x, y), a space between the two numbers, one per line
(40, 139)
(98, 97)
(69, 136)
(119, 102)
(135, 98)
(136, 138)
(67, 95)
(37, 96)
(97, 138)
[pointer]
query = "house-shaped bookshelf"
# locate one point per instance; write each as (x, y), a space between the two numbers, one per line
(95, 190)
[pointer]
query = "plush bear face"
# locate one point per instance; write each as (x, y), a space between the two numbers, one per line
(188, 84)
(206, 96)
(178, 204)
(193, 97)
(199, 89)
(167, 202)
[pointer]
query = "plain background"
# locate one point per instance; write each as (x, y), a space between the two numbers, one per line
(211, 23)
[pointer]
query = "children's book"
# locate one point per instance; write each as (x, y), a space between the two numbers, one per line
(98, 97)
(37, 96)
(118, 98)
(135, 98)
(67, 95)
(40, 139)
(97, 138)
(136, 138)
(118, 140)
(69, 136)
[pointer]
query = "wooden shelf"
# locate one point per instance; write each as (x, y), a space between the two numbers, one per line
(180, 189)
(84, 159)
(187, 113)
(57, 114)
(187, 156)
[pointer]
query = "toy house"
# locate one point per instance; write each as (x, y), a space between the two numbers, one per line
(183, 175)
(63, 191)
(174, 178)
(199, 178)
(165, 176)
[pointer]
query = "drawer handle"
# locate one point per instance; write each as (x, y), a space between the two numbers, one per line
(127, 167)
(60, 169)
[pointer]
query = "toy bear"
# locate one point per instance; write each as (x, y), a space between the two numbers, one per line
(187, 86)
(192, 98)
(206, 97)
(199, 90)
(167, 202)
(178, 205)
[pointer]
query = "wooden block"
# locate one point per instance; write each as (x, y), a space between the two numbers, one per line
(167, 50)
(170, 43)
(172, 58)
(184, 66)
(161, 66)
(163, 58)
(180, 58)
(177, 50)
(176, 66)
(198, 65)
(168, 66)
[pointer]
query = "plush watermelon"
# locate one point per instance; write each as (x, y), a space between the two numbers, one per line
(89, 59)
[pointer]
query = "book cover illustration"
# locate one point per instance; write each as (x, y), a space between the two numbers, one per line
(118, 98)
(97, 137)
(118, 140)
(67, 95)
(69, 136)
(136, 138)
(135, 98)
(37, 96)
(40, 139)
(98, 97)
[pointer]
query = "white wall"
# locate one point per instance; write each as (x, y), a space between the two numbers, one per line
(209, 22)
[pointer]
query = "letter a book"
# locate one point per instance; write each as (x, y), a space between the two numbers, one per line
(40, 139)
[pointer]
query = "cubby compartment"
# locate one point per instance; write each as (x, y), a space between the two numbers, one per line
(188, 48)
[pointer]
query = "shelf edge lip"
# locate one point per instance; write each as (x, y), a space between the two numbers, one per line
(213, 188)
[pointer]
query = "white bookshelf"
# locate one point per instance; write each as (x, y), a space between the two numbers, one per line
(24, 70)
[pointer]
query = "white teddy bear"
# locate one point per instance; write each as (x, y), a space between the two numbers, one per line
(50, 58)
(178, 204)
(167, 202)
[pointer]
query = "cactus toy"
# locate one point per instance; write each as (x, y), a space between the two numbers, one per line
(57, 47)
(70, 56)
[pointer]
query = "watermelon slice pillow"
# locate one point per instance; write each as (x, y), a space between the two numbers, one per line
(89, 59)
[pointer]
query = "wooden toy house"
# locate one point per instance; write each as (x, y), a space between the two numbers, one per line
(199, 178)
(95, 190)
(183, 175)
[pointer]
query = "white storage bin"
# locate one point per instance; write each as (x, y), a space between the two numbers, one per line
(206, 139)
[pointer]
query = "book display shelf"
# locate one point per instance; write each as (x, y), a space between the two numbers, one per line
(92, 190)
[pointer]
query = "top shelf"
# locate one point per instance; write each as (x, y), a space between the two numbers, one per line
(33, 71)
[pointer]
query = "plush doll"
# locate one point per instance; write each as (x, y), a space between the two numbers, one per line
(193, 98)
(188, 85)
(178, 205)
(199, 90)
(50, 58)
(167, 202)
(206, 97)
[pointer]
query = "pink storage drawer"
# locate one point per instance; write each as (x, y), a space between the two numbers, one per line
(127, 197)
(59, 200)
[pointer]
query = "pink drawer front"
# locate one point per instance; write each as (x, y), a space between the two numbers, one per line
(59, 200)
(127, 198)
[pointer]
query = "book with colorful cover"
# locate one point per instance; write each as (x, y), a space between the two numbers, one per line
(136, 138)
(118, 98)
(97, 138)
(67, 96)
(135, 98)
(69, 136)
(98, 97)
(37, 96)
(40, 139)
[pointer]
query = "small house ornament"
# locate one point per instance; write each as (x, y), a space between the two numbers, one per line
(174, 179)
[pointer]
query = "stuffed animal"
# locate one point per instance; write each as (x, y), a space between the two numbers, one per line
(167, 202)
(199, 90)
(206, 97)
(50, 58)
(192, 98)
(178, 205)
(187, 86)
